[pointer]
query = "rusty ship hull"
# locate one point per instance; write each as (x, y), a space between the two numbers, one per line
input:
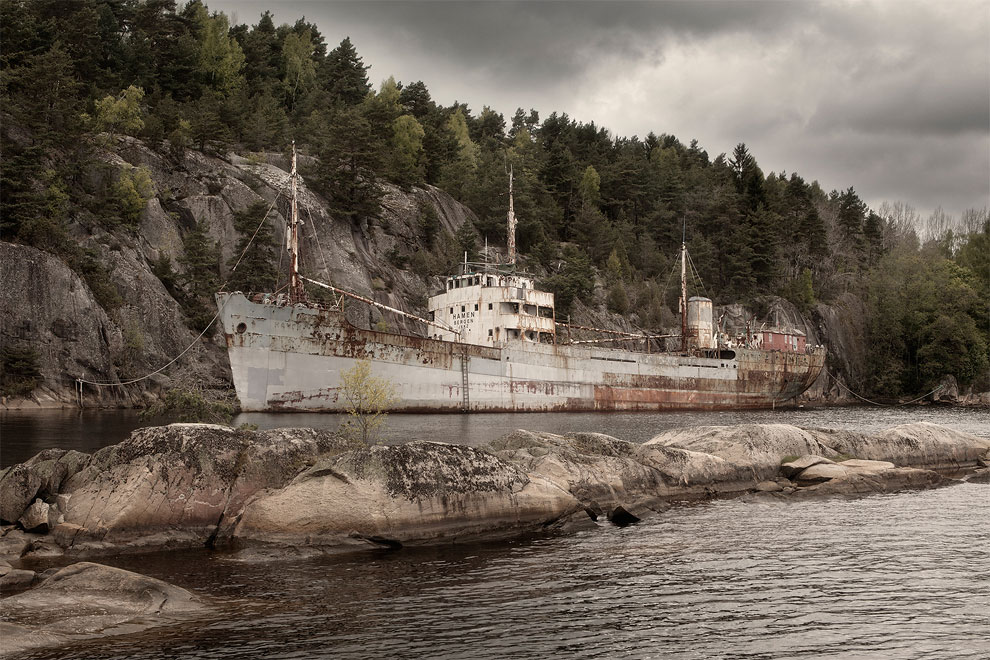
(289, 358)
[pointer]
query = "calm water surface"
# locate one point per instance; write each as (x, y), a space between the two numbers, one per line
(23, 434)
(896, 576)
(893, 576)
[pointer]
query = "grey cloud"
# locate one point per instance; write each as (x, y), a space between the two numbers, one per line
(925, 171)
(534, 42)
(891, 97)
(941, 108)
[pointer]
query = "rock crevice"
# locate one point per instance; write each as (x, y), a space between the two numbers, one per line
(189, 485)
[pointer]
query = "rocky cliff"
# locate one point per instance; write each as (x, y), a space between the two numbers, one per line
(48, 308)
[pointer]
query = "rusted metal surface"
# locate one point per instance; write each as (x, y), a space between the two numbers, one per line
(290, 357)
(606, 332)
(369, 301)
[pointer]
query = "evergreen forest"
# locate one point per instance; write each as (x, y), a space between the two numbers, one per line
(594, 209)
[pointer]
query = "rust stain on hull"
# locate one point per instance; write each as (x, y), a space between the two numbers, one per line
(289, 359)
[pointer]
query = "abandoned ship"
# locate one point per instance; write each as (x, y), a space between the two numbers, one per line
(494, 344)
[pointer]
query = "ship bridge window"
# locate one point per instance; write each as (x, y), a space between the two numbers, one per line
(508, 308)
(529, 309)
(546, 312)
(489, 305)
(489, 280)
(241, 328)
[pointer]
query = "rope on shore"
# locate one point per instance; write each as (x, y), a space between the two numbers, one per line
(81, 381)
(160, 369)
(876, 403)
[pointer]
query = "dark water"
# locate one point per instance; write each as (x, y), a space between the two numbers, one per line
(897, 576)
(23, 434)
(894, 576)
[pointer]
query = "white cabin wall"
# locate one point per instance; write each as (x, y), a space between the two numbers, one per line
(486, 314)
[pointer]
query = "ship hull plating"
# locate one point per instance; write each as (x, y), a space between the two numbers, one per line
(290, 357)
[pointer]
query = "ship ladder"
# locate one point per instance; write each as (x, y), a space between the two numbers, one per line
(466, 399)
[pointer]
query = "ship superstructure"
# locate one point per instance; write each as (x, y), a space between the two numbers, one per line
(492, 344)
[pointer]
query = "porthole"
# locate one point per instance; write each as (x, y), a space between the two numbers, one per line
(241, 328)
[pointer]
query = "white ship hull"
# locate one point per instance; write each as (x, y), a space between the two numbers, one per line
(290, 357)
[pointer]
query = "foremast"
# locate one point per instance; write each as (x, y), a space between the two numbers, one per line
(684, 300)
(512, 225)
(297, 291)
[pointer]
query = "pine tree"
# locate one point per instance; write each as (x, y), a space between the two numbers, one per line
(851, 213)
(256, 255)
(350, 162)
(345, 75)
(200, 275)
(298, 63)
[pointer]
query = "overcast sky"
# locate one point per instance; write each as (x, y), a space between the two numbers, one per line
(891, 97)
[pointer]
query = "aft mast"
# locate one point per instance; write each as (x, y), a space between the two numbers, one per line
(683, 297)
(297, 292)
(512, 225)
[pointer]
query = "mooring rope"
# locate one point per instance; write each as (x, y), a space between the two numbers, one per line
(80, 381)
(338, 301)
(877, 403)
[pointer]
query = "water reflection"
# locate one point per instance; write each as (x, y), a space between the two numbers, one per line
(23, 434)
(896, 576)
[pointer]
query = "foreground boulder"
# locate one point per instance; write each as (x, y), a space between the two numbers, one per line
(176, 486)
(605, 473)
(187, 485)
(41, 477)
(859, 476)
(754, 450)
(86, 600)
(920, 444)
(407, 494)
(181, 485)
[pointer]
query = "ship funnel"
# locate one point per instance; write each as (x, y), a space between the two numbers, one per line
(700, 328)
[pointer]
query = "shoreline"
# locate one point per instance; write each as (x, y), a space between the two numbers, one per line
(185, 485)
(66, 401)
(286, 494)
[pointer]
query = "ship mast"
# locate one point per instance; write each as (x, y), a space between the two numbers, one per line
(512, 225)
(684, 289)
(297, 292)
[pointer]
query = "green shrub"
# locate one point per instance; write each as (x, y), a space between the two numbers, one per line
(19, 372)
(185, 405)
(130, 193)
(367, 398)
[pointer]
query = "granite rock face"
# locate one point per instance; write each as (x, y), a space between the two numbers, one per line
(186, 485)
(86, 600)
(406, 494)
(754, 450)
(919, 444)
(46, 306)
